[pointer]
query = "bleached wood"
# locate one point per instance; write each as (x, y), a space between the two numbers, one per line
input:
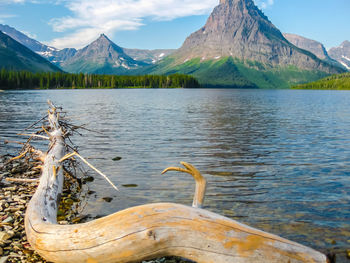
(146, 231)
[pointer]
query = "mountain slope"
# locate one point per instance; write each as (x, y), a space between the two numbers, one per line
(30, 43)
(313, 46)
(333, 82)
(101, 56)
(238, 29)
(15, 56)
(341, 54)
(52, 54)
(58, 57)
(148, 56)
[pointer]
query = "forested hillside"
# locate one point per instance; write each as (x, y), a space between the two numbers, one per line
(336, 82)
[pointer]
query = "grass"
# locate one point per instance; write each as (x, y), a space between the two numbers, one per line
(230, 72)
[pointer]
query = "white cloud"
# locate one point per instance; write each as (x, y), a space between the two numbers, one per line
(91, 17)
(86, 35)
(3, 17)
(263, 4)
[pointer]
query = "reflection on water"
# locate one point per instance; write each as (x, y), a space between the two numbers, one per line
(277, 160)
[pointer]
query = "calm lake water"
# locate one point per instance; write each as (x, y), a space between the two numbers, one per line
(278, 160)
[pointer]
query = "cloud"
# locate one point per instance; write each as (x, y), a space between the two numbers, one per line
(263, 4)
(86, 35)
(91, 17)
(3, 17)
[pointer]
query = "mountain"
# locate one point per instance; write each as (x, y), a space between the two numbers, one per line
(52, 54)
(239, 44)
(30, 43)
(313, 46)
(58, 57)
(101, 57)
(148, 56)
(15, 56)
(341, 54)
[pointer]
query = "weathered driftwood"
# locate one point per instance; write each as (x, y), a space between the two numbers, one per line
(146, 231)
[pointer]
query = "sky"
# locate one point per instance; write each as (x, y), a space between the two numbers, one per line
(153, 24)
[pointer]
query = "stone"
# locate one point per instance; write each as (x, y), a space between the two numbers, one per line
(6, 174)
(4, 236)
(107, 199)
(8, 220)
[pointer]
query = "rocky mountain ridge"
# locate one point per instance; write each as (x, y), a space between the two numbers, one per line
(313, 46)
(341, 54)
(59, 56)
(15, 56)
(30, 43)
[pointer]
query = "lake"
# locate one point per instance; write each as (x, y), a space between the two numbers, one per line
(278, 160)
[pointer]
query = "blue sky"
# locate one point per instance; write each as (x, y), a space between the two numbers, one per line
(155, 24)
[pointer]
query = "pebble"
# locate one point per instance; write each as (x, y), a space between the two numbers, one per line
(9, 219)
(4, 236)
(107, 199)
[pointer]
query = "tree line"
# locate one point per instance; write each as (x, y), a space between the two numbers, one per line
(61, 80)
(336, 82)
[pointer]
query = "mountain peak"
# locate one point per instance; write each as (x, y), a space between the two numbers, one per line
(346, 43)
(101, 56)
(230, 2)
(103, 36)
(235, 28)
(341, 54)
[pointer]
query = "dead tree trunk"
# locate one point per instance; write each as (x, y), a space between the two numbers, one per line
(146, 231)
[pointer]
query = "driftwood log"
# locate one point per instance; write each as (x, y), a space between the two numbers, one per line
(147, 231)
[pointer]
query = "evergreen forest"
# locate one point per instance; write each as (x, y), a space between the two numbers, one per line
(336, 82)
(61, 80)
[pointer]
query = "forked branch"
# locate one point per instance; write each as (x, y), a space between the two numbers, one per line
(199, 193)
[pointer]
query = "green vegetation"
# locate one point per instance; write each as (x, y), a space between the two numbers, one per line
(57, 80)
(234, 73)
(15, 56)
(336, 82)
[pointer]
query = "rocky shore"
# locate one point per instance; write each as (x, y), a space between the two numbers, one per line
(13, 202)
(14, 197)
